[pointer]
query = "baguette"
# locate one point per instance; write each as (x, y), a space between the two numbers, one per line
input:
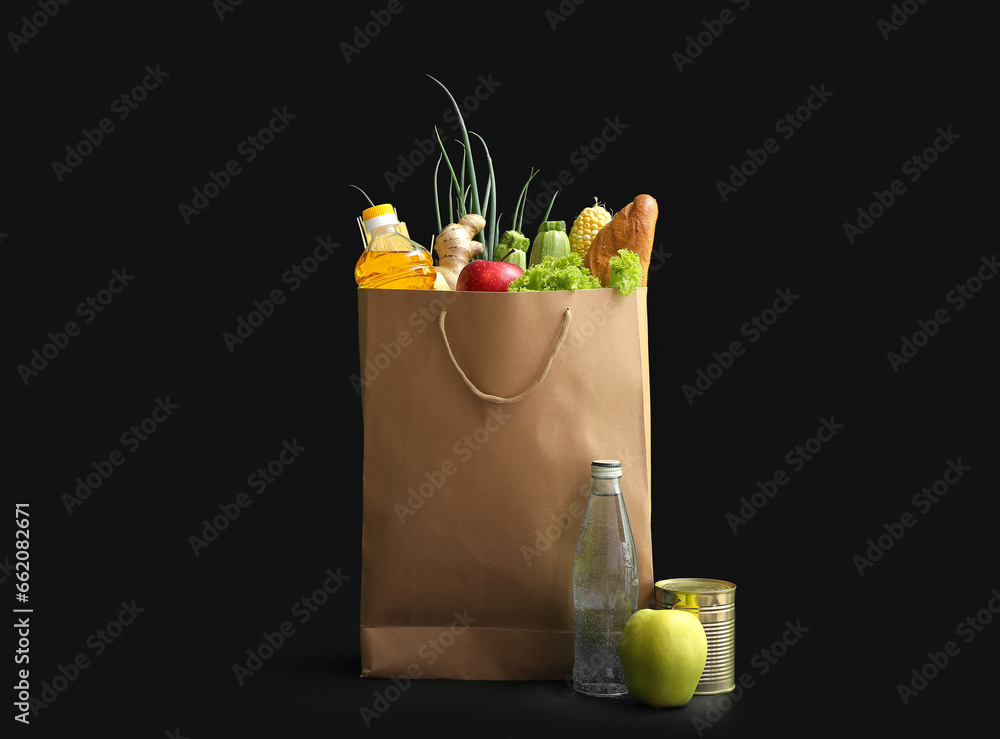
(631, 228)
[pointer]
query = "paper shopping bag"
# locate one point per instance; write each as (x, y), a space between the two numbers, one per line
(482, 413)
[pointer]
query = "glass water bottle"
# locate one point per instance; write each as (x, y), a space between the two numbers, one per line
(605, 585)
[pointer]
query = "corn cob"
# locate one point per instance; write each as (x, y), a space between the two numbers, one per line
(591, 220)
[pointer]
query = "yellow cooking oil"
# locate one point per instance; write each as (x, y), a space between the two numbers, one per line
(392, 259)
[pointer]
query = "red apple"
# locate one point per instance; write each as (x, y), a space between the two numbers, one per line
(482, 275)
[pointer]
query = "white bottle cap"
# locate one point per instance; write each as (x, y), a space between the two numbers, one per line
(606, 468)
(378, 216)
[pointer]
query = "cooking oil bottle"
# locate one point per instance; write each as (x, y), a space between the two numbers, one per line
(392, 260)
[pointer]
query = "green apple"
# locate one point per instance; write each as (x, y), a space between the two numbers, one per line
(663, 654)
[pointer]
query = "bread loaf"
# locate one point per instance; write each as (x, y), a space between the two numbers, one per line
(631, 228)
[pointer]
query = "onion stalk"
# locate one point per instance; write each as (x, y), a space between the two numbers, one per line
(484, 204)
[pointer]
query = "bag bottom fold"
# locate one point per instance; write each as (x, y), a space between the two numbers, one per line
(465, 652)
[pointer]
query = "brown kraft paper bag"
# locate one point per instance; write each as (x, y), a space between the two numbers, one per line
(479, 431)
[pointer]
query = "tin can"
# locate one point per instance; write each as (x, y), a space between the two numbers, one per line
(714, 603)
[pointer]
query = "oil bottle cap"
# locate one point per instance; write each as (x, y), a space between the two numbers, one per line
(378, 215)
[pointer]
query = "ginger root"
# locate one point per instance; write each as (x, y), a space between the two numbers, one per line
(455, 247)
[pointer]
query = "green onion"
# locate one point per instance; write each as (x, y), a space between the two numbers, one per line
(437, 208)
(550, 205)
(491, 198)
(464, 191)
(463, 195)
(365, 194)
(519, 210)
(470, 166)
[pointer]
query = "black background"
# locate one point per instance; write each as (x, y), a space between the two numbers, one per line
(554, 82)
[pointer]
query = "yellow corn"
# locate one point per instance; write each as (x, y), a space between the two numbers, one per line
(591, 220)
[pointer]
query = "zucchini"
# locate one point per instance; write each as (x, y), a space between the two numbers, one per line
(513, 247)
(551, 241)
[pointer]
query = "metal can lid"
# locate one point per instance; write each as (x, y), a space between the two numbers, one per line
(694, 592)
